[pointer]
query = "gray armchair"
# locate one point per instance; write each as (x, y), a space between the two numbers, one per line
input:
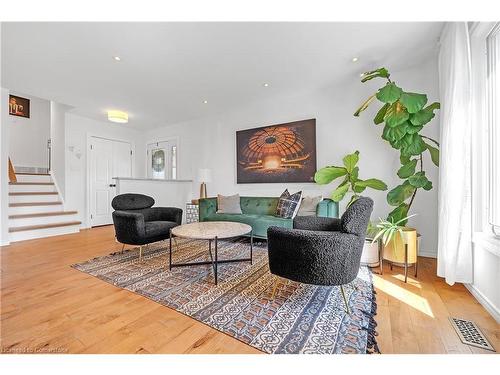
(320, 250)
(138, 223)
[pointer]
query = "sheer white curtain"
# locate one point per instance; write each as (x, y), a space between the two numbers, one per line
(455, 213)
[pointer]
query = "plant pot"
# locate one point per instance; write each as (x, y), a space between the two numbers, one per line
(370, 255)
(394, 251)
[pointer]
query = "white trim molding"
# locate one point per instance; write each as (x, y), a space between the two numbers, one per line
(484, 301)
(51, 173)
(427, 254)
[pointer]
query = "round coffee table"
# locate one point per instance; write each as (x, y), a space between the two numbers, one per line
(211, 231)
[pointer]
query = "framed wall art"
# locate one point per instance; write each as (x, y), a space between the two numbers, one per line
(277, 153)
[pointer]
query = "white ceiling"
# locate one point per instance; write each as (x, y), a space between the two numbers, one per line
(167, 70)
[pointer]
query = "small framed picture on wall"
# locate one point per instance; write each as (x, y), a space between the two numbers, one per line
(19, 106)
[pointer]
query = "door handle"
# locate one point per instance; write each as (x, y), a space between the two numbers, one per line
(112, 185)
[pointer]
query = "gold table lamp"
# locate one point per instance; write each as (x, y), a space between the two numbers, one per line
(204, 176)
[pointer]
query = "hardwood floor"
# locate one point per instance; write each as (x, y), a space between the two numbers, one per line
(48, 307)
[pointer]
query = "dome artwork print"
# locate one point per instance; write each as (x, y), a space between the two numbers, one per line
(278, 153)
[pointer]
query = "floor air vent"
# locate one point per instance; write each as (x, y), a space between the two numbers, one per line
(470, 334)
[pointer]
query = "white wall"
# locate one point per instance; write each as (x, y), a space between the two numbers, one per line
(4, 170)
(210, 142)
(57, 136)
(77, 130)
(486, 268)
(28, 136)
(4, 157)
(166, 193)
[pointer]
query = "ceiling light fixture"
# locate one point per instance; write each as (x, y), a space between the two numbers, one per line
(117, 58)
(118, 116)
(205, 102)
(354, 59)
(266, 85)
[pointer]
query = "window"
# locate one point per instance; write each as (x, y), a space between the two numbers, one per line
(158, 163)
(493, 61)
(174, 162)
(485, 63)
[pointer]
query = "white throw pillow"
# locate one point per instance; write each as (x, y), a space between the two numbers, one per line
(228, 204)
(309, 205)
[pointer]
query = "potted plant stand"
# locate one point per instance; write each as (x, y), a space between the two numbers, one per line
(403, 252)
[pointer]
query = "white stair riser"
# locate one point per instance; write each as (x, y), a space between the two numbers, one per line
(34, 209)
(27, 188)
(33, 198)
(33, 178)
(39, 233)
(42, 220)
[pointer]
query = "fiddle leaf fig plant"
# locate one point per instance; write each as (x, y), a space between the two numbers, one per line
(351, 182)
(404, 115)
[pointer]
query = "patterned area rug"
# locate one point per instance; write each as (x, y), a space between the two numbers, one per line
(299, 318)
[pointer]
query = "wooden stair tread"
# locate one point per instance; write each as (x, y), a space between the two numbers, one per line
(31, 183)
(32, 174)
(33, 193)
(27, 204)
(42, 214)
(43, 226)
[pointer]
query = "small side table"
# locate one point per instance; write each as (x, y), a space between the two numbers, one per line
(192, 213)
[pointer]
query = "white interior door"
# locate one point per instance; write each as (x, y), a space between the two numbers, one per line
(108, 159)
(122, 162)
(162, 160)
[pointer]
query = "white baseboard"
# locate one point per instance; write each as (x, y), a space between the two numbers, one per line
(484, 301)
(427, 254)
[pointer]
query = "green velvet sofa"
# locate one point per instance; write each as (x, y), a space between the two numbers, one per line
(259, 213)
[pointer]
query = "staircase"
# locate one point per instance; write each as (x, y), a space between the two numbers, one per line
(36, 210)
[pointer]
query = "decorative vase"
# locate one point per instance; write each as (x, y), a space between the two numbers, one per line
(370, 254)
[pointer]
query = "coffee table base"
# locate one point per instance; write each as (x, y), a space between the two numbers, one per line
(214, 261)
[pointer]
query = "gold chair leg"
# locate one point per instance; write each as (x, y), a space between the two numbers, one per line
(345, 300)
(140, 252)
(123, 248)
(275, 288)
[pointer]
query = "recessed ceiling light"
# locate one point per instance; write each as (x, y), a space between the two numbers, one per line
(354, 59)
(205, 102)
(117, 58)
(118, 116)
(266, 85)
